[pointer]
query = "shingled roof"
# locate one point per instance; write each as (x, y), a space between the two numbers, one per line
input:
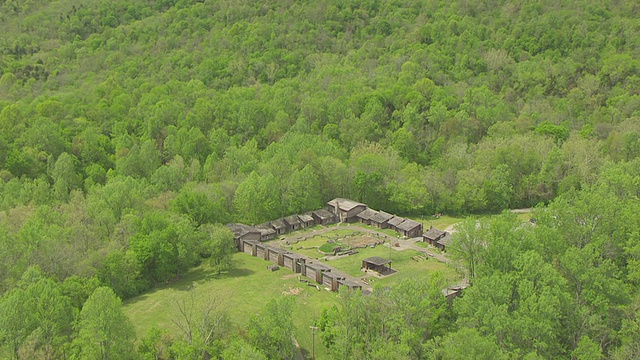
(240, 230)
(380, 217)
(396, 220)
(344, 204)
(433, 233)
(408, 225)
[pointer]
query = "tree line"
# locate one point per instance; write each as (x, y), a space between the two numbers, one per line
(131, 130)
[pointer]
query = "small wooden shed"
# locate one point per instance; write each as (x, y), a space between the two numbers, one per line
(323, 217)
(394, 222)
(380, 220)
(293, 261)
(279, 226)
(314, 271)
(377, 264)
(292, 222)
(266, 232)
(306, 220)
(409, 228)
(432, 236)
(444, 241)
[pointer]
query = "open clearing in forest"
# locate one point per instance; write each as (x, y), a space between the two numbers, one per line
(245, 289)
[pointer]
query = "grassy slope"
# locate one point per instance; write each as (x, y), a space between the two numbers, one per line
(246, 288)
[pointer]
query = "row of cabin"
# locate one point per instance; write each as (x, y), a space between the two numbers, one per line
(318, 272)
(272, 229)
(438, 238)
(351, 211)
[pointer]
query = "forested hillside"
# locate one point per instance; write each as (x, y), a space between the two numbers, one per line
(131, 130)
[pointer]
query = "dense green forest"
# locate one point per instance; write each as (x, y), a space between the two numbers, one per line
(131, 130)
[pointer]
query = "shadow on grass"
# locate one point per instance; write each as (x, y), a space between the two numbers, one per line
(187, 281)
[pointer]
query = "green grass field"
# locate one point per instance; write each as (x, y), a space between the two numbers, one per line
(244, 291)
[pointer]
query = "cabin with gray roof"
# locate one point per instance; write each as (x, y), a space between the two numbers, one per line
(380, 219)
(394, 222)
(377, 264)
(323, 217)
(345, 209)
(365, 216)
(293, 222)
(409, 228)
(266, 232)
(306, 220)
(444, 241)
(432, 236)
(243, 232)
(279, 226)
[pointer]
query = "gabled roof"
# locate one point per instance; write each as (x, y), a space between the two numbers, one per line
(376, 260)
(323, 214)
(240, 230)
(306, 218)
(367, 214)
(278, 224)
(446, 240)
(408, 225)
(381, 217)
(396, 220)
(292, 219)
(345, 204)
(265, 229)
(433, 233)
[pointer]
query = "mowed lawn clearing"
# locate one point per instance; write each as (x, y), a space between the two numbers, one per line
(407, 262)
(243, 291)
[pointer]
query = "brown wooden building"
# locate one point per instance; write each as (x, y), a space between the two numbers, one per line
(243, 232)
(294, 262)
(293, 222)
(444, 242)
(314, 271)
(345, 209)
(323, 217)
(306, 220)
(394, 222)
(266, 232)
(380, 220)
(365, 216)
(432, 236)
(409, 228)
(377, 264)
(279, 226)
